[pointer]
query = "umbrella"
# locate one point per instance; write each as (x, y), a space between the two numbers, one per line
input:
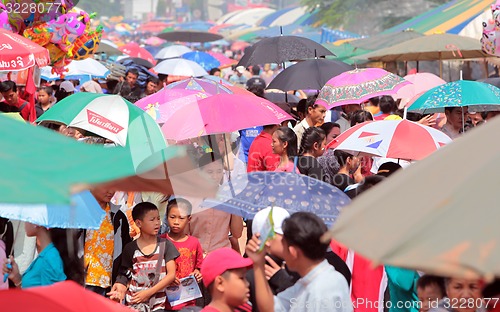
(84, 212)
(359, 85)
(172, 51)
(200, 84)
(108, 47)
(450, 228)
(223, 59)
(25, 181)
(494, 81)
(132, 49)
(279, 97)
(153, 26)
(65, 296)
(162, 104)
(384, 40)
(19, 53)
(317, 71)
(205, 60)
(111, 117)
(399, 139)
(239, 45)
(245, 195)
(222, 113)
(281, 49)
(137, 61)
(154, 41)
(219, 80)
(88, 67)
(420, 82)
(456, 94)
(180, 67)
(189, 36)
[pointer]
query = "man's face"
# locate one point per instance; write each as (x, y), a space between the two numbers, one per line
(131, 79)
(317, 114)
(454, 117)
(10, 97)
(151, 87)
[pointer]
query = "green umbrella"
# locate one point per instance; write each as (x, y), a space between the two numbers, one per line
(111, 117)
(40, 166)
(345, 52)
(456, 94)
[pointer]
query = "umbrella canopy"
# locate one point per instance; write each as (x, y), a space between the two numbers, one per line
(88, 67)
(189, 36)
(420, 82)
(223, 59)
(429, 48)
(494, 81)
(210, 116)
(450, 228)
(359, 85)
(399, 139)
(281, 49)
(245, 195)
(385, 40)
(205, 85)
(132, 49)
(317, 71)
(180, 67)
(154, 41)
(19, 53)
(162, 104)
(84, 212)
(172, 51)
(137, 61)
(65, 296)
(281, 97)
(205, 60)
(153, 26)
(456, 94)
(219, 80)
(108, 47)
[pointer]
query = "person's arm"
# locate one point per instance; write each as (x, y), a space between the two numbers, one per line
(144, 295)
(119, 288)
(236, 226)
(263, 293)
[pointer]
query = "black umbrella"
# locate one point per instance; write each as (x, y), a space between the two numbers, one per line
(281, 49)
(308, 75)
(137, 61)
(495, 81)
(279, 97)
(189, 36)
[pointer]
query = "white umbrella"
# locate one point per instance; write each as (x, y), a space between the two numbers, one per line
(439, 216)
(180, 67)
(172, 51)
(87, 68)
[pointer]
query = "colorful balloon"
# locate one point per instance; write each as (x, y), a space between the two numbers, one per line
(490, 41)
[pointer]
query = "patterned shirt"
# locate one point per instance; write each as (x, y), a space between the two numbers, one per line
(98, 257)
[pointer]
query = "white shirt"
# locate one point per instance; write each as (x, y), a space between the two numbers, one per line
(322, 289)
(299, 130)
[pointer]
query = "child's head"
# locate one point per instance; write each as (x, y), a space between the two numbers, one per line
(147, 218)
(44, 94)
(178, 214)
(223, 272)
(430, 289)
(273, 246)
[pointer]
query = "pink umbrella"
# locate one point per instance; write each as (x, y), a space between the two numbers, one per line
(200, 84)
(162, 104)
(223, 59)
(359, 85)
(132, 49)
(155, 41)
(222, 113)
(400, 139)
(421, 82)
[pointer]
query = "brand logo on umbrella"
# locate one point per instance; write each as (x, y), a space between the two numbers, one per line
(102, 122)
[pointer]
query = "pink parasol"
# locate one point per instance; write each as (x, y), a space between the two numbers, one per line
(132, 49)
(155, 41)
(420, 83)
(359, 85)
(223, 59)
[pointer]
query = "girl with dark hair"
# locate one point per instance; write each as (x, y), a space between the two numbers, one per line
(57, 259)
(285, 145)
(312, 146)
(360, 116)
(349, 165)
(45, 95)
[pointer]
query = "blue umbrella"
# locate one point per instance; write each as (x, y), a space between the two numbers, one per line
(245, 195)
(83, 213)
(205, 60)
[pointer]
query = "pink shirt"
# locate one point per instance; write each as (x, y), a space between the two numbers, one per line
(287, 168)
(211, 227)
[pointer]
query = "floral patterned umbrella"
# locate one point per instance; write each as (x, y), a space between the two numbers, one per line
(359, 85)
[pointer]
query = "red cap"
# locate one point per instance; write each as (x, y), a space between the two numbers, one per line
(221, 260)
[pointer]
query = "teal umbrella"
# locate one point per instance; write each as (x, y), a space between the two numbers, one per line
(457, 94)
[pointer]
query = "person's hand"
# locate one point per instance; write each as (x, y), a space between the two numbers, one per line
(117, 292)
(141, 296)
(271, 268)
(428, 120)
(176, 282)
(12, 270)
(196, 273)
(253, 252)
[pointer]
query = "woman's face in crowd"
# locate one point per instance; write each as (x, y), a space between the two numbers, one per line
(43, 97)
(335, 132)
(278, 146)
(465, 295)
(215, 170)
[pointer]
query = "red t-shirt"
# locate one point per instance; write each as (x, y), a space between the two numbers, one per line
(260, 154)
(209, 309)
(190, 259)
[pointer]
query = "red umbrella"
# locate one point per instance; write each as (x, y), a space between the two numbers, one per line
(153, 26)
(134, 50)
(239, 45)
(61, 297)
(18, 53)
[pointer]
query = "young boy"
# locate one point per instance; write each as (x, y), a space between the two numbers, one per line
(148, 263)
(430, 290)
(189, 247)
(223, 272)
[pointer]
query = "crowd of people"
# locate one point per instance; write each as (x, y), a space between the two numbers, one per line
(149, 242)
